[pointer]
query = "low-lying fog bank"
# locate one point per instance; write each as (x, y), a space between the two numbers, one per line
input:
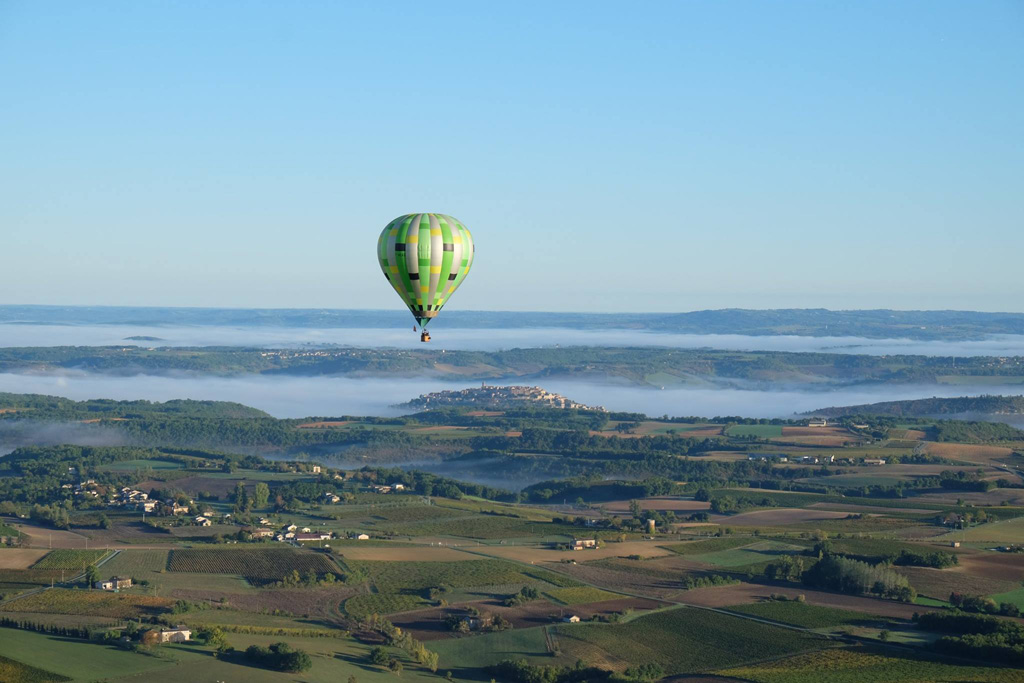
(290, 396)
(481, 339)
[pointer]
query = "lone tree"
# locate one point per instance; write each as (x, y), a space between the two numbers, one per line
(92, 575)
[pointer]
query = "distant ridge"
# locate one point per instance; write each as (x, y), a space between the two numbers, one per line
(932, 407)
(808, 322)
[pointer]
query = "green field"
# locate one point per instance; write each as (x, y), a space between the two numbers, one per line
(69, 559)
(1015, 597)
(1008, 531)
(334, 659)
(486, 650)
(13, 671)
(258, 566)
(752, 553)
(78, 660)
(861, 665)
(709, 545)
(132, 465)
(760, 431)
(579, 595)
(483, 527)
(684, 640)
(855, 480)
(878, 547)
(802, 614)
(405, 577)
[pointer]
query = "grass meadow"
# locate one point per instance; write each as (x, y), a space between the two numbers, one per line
(849, 665)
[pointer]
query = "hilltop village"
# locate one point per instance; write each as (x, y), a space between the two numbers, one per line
(488, 396)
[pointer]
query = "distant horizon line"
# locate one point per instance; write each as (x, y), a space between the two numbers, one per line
(514, 312)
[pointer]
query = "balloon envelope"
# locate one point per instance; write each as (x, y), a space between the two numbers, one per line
(425, 257)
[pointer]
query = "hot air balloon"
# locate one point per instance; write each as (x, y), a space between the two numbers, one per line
(425, 257)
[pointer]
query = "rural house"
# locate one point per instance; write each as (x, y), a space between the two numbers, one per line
(580, 544)
(178, 634)
(114, 583)
(571, 619)
(475, 623)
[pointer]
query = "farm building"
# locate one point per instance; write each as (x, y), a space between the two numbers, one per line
(260, 533)
(874, 461)
(817, 422)
(331, 498)
(114, 583)
(475, 623)
(363, 537)
(178, 634)
(202, 521)
(580, 544)
(314, 536)
(571, 619)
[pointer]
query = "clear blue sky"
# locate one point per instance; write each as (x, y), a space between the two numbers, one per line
(607, 156)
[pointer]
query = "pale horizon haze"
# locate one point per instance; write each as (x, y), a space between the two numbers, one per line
(661, 156)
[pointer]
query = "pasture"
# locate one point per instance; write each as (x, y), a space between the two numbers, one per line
(75, 659)
(658, 503)
(1014, 597)
(802, 614)
(132, 465)
(759, 431)
(709, 545)
(856, 665)
(482, 651)
(777, 517)
(13, 671)
(760, 551)
(681, 640)
(404, 577)
(579, 595)
(1007, 532)
(257, 566)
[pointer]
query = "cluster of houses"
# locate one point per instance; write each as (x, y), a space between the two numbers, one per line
(495, 396)
(292, 533)
(387, 488)
(83, 489)
(811, 459)
(134, 499)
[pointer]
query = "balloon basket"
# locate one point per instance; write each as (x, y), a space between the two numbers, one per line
(425, 336)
